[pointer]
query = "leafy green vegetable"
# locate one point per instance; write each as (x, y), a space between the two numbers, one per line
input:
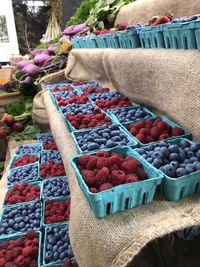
(21, 108)
(18, 74)
(29, 133)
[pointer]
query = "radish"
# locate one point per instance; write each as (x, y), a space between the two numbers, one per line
(52, 49)
(41, 59)
(9, 119)
(28, 80)
(2, 133)
(23, 63)
(17, 127)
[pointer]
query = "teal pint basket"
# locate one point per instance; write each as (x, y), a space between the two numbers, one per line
(128, 38)
(30, 183)
(58, 262)
(112, 40)
(177, 188)
(151, 37)
(186, 134)
(8, 238)
(64, 178)
(44, 206)
(124, 196)
(116, 119)
(13, 207)
(82, 133)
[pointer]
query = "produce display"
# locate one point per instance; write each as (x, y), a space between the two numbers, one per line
(101, 138)
(174, 160)
(153, 130)
(55, 187)
(20, 251)
(80, 99)
(23, 192)
(21, 218)
(56, 211)
(48, 142)
(58, 237)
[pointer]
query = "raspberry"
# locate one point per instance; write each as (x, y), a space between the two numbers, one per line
(116, 159)
(33, 263)
(10, 264)
(162, 125)
(144, 131)
(31, 234)
(102, 176)
(88, 177)
(20, 260)
(131, 178)
(93, 190)
(139, 125)
(27, 261)
(141, 138)
(130, 165)
(177, 131)
(2, 262)
(114, 167)
(133, 131)
(9, 255)
(17, 251)
(92, 163)
(156, 132)
(150, 139)
(27, 251)
(164, 136)
(102, 153)
(141, 174)
(118, 177)
(103, 162)
(83, 160)
(105, 186)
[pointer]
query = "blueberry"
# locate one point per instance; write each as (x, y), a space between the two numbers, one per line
(197, 166)
(169, 170)
(195, 147)
(175, 164)
(157, 162)
(184, 143)
(198, 154)
(110, 144)
(181, 172)
(173, 157)
(173, 148)
(140, 151)
(164, 152)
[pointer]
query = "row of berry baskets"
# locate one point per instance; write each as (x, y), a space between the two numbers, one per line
(36, 208)
(123, 161)
(184, 35)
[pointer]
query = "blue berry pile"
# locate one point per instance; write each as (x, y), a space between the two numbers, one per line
(57, 244)
(175, 160)
(56, 187)
(105, 96)
(131, 114)
(24, 173)
(29, 149)
(44, 137)
(75, 109)
(181, 20)
(50, 155)
(21, 218)
(88, 85)
(102, 137)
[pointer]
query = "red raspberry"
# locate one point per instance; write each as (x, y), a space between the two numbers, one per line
(88, 177)
(131, 178)
(2, 262)
(156, 132)
(162, 125)
(141, 138)
(10, 264)
(150, 139)
(27, 251)
(139, 125)
(102, 176)
(114, 167)
(141, 174)
(105, 186)
(177, 131)
(118, 177)
(20, 260)
(102, 153)
(144, 131)
(92, 163)
(133, 131)
(33, 264)
(155, 123)
(116, 159)
(17, 251)
(83, 160)
(9, 255)
(93, 190)
(164, 136)
(103, 162)
(130, 166)
(31, 234)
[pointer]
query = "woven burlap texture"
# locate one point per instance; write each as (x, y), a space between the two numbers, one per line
(115, 239)
(141, 11)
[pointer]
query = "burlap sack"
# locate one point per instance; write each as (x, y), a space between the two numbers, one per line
(116, 239)
(141, 11)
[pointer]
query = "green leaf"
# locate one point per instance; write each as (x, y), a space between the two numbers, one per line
(29, 133)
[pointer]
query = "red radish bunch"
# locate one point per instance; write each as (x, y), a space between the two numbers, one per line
(26, 159)
(81, 121)
(52, 169)
(106, 170)
(22, 193)
(11, 126)
(153, 130)
(57, 211)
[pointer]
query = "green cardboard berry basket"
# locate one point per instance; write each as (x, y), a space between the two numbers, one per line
(39, 184)
(18, 153)
(116, 120)
(82, 133)
(34, 179)
(44, 206)
(178, 188)
(128, 39)
(124, 196)
(59, 262)
(8, 238)
(186, 134)
(15, 157)
(64, 178)
(13, 207)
